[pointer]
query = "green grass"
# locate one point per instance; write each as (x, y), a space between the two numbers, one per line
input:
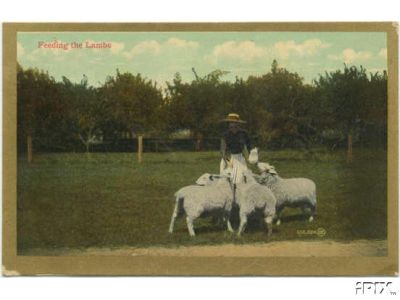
(109, 200)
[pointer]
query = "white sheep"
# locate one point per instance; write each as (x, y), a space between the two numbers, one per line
(289, 192)
(197, 199)
(249, 195)
(252, 196)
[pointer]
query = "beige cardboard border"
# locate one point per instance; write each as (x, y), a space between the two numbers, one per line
(151, 265)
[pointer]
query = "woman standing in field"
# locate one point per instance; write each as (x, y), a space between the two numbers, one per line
(234, 143)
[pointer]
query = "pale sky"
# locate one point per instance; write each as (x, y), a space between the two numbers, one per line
(159, 55)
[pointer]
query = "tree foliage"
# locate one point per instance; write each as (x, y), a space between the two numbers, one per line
(85, 110)
(281, 110)
(134, 102)
(40, 107)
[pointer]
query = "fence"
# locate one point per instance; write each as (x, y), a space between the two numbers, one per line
(125, 145)
(182, 144)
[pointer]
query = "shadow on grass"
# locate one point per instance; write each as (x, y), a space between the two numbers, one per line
(295, 218)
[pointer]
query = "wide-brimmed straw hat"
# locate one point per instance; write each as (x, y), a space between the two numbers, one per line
(234, 118)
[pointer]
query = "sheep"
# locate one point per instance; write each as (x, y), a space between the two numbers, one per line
(290, 192)
(197, 199)
(249, 195)
(252, 196)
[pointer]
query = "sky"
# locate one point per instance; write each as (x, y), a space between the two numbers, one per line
(159, 55)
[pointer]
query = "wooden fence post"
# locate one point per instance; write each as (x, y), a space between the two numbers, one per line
(140, 148)
(350, 147)
(199, 141)
(29, 148)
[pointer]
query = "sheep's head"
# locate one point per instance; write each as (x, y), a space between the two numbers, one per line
(205, 179)
(209, 179)
(266, 168)
(228, 170)
(228, 163)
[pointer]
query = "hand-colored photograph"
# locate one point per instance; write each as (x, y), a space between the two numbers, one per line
(202, 143)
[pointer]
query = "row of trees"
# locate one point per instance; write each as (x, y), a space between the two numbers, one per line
(281, 110)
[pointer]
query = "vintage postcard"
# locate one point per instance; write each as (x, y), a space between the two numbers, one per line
(200, 149)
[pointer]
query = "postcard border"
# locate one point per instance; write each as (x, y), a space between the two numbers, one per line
(223, 266)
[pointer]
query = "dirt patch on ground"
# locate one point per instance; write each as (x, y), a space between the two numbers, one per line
(285, 248)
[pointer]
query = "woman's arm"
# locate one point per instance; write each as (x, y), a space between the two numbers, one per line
(223, 148)
(247, 144)
(247, 141)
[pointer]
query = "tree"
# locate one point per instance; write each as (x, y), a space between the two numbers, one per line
(175, 108)
(198, 105)
(375, 110)
(282, 106)
(86, 110)
(134, 103)
(344, 95)
(40, 108)
(280, 109)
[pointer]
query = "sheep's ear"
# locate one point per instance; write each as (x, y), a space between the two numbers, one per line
(211, 177)
(245, 178)
(272, 171)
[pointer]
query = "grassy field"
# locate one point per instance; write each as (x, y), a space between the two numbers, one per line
(109, 200)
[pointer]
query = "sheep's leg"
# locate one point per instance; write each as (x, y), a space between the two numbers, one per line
(230, 229)
(268, 221)
(305, 210)
(243, 223)
(215, 220)
(278, 215)
(174, 215)
(189, 222)
(309, 210)
(311, 218)
(227, 216)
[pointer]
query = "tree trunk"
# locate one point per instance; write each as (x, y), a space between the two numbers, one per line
(29, 148)
(86, 142)
(140, 148)
(199, 141)
(87, 147)
(350, 147)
